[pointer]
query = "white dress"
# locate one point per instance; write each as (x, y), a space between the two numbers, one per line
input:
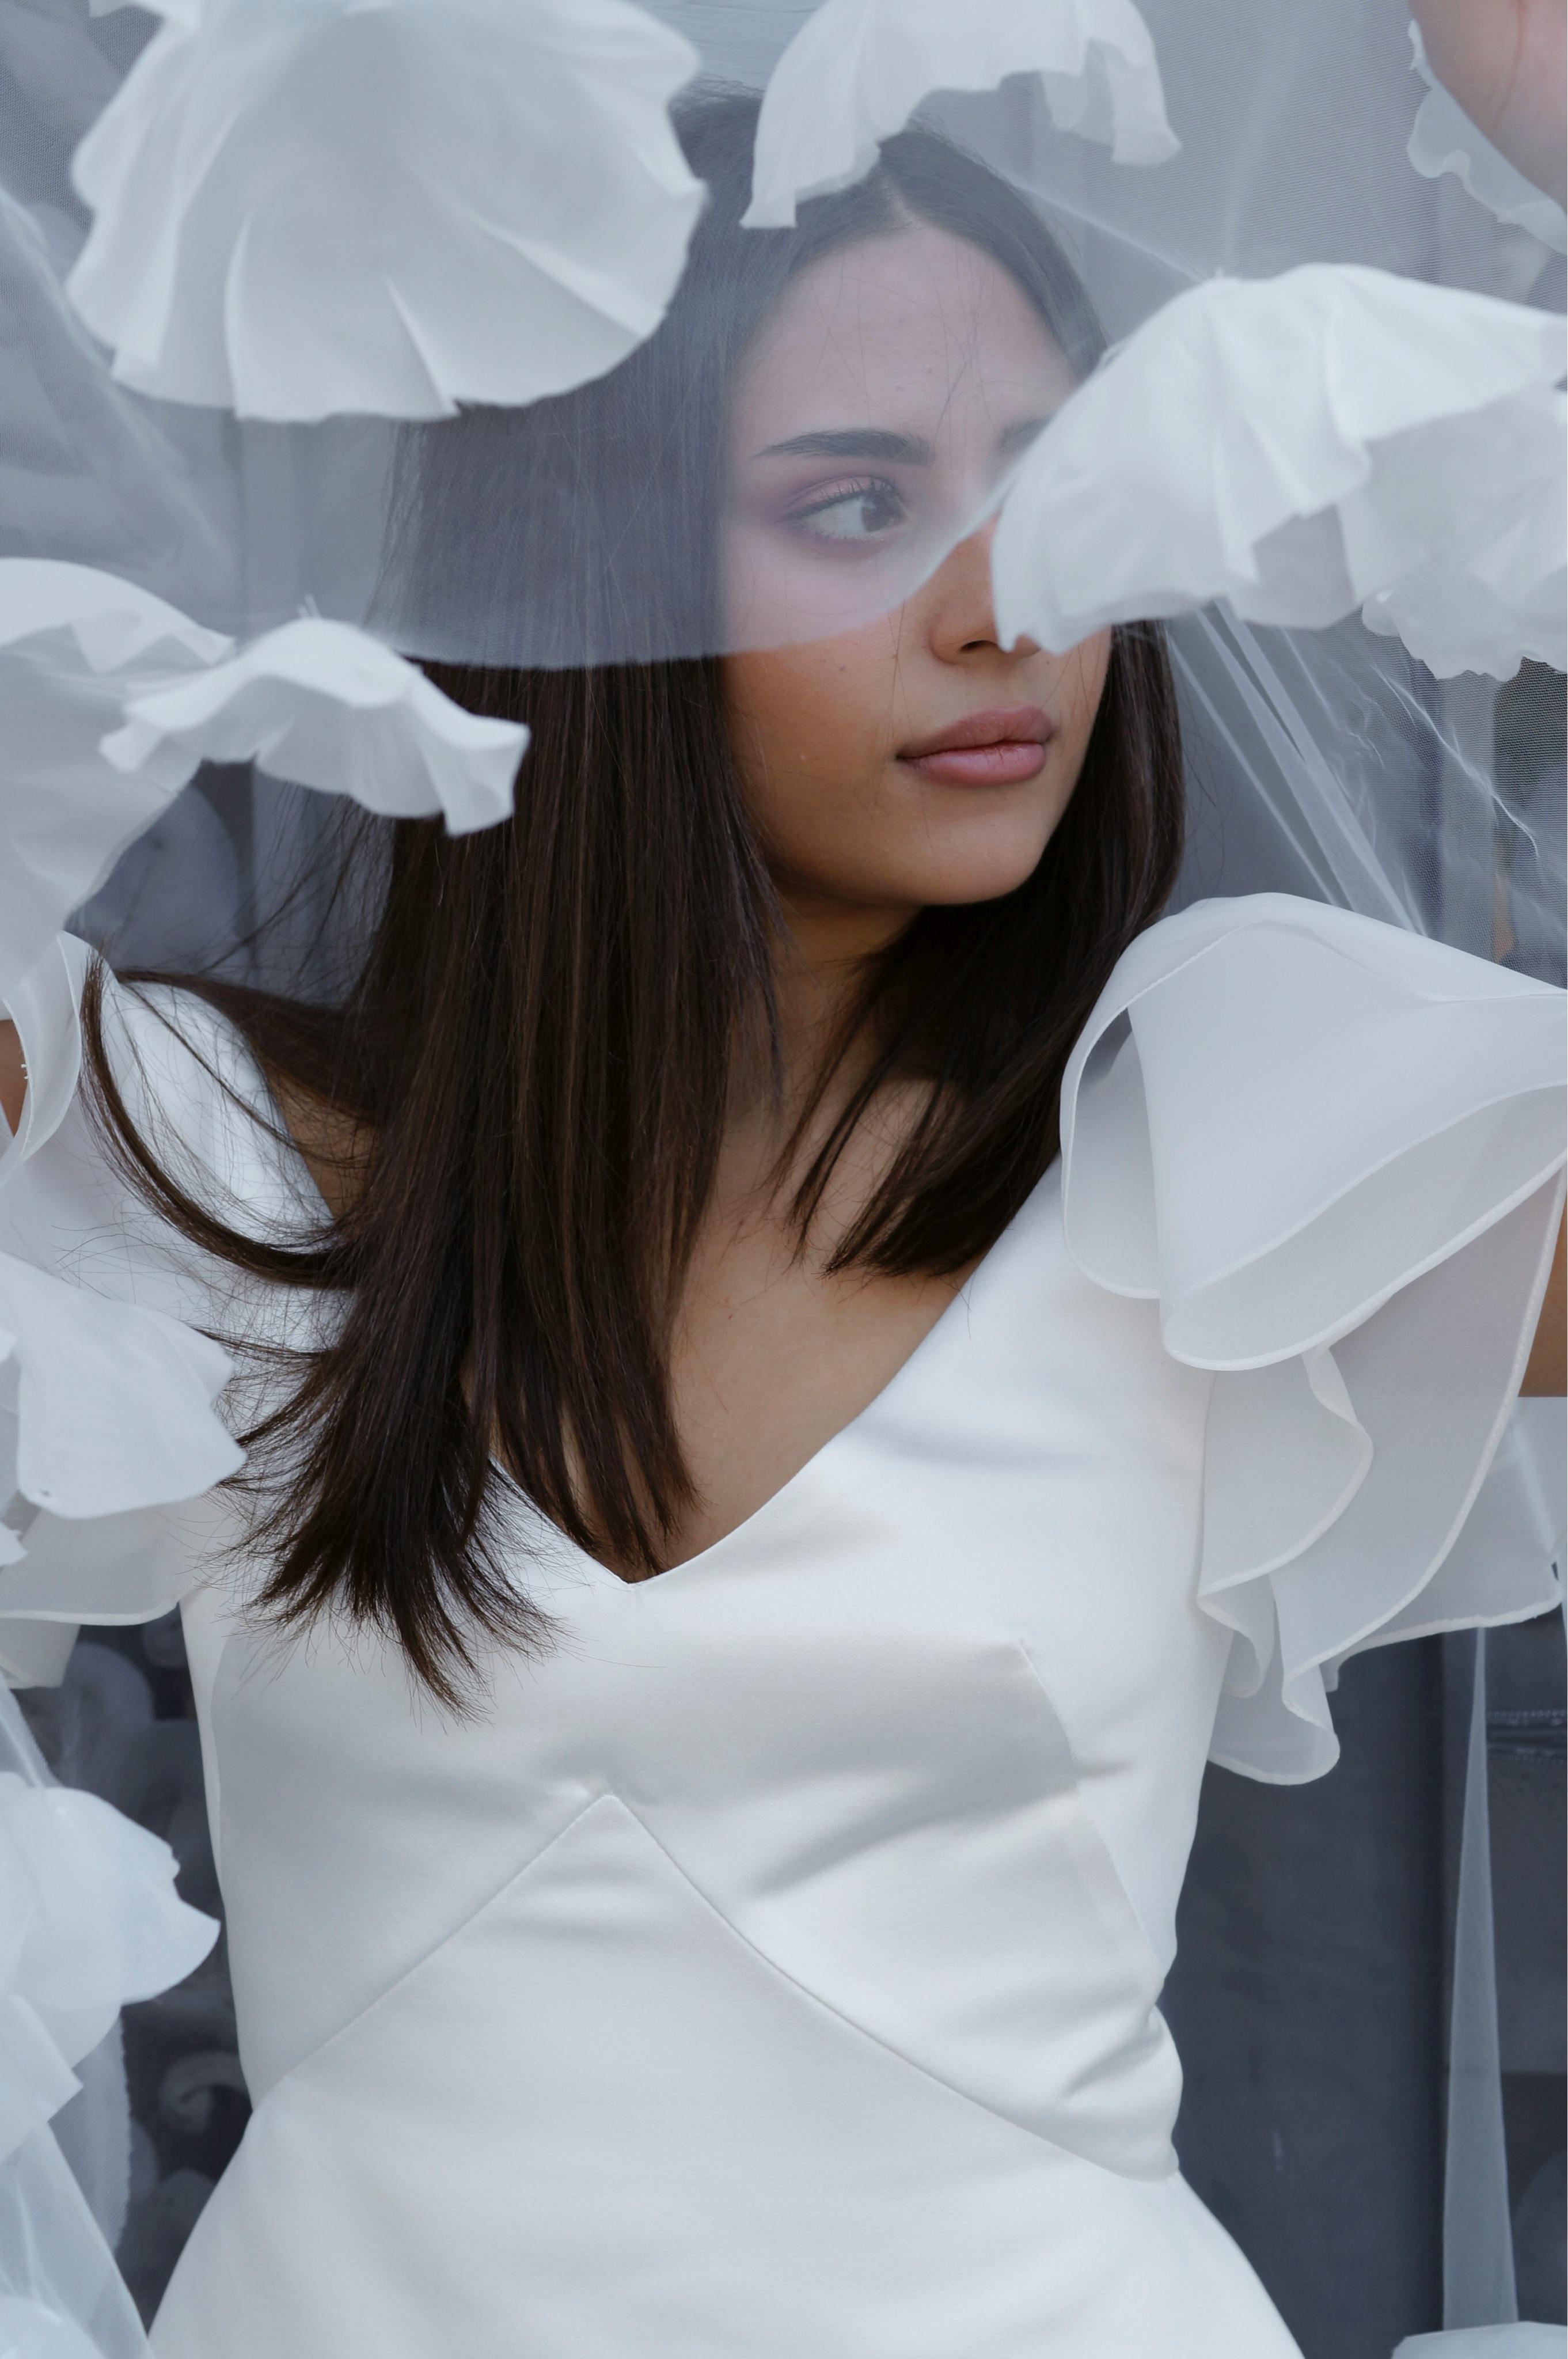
(771, 1971)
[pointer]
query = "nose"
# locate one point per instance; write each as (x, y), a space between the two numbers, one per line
(959, 606)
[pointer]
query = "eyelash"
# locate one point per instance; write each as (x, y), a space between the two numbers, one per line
(858, 487)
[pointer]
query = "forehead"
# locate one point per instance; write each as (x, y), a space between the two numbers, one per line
(917, 329)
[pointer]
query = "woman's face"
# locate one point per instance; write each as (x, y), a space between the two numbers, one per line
(892, 752)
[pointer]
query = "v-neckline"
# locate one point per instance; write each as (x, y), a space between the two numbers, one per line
(763, 1514)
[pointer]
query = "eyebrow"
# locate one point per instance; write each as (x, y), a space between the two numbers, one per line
(854, 442)
(879, 442)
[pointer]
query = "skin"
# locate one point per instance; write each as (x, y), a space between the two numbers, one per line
(857, 639)
(771, 1355)
(1505, 62)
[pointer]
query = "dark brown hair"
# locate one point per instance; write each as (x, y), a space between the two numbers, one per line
(538, 1043)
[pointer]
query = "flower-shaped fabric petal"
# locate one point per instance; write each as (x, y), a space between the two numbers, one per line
(305, 207)
(858, 69)
(1443, 139)
(71, 641)
(112, 1401)
(91, 1921)
(1502, 594)
(1330, 1149)
(326, 706)
(1298, 445)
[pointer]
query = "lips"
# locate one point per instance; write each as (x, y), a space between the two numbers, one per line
(985, 749)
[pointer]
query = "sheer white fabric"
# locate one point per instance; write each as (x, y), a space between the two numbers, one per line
(858, 69)
(1326, 1150)
(857, 1825)
(856, 1818)
(88, 1920)
(113, 699)
(1443, 139)
(1301, 446)
(328, 707)
(313, 208)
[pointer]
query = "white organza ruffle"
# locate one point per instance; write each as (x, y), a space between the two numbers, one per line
(108, 1420)
(1329, 1151)
(307, 207)
(857, 70)
(112, 700)
(111, 1401)
(328, 707)
(115, 1410)
(1443, 139)
(1303, 445)
(88, 1922)
(1501, 593)
(71, 640)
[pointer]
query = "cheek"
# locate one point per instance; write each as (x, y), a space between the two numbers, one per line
(1080, 688)
(806, 722)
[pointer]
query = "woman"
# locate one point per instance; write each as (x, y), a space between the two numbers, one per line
(705, 1700)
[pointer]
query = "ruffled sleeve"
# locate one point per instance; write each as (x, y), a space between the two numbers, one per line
(1332, 1152)
(118, 1393)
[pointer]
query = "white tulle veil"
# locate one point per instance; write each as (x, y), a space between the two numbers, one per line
(272, 269)
(255, 254)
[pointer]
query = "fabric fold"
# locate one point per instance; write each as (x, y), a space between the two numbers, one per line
(91, 1921)
(113, 699)
(1443, 139)
(1333, 1154)
(73, 641)
(1332, 439)
(114, 1407)
(112, 1401)
(323, 704)
(310, 208)
(857, 71)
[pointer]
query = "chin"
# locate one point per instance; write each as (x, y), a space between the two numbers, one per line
(973, 871)
(959, 892)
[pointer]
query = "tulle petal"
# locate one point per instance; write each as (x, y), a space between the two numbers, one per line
(71, 639)
(324, 705)
(113, 698)
(1443, 139)
(1331, 1150)
(1501, 595)
(112, 1401)
(858, 69)
(110, 1438)
(93, 1920)
(1298, 445)
(307, 207)
(64, 2298)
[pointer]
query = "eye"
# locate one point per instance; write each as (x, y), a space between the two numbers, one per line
(851, 513)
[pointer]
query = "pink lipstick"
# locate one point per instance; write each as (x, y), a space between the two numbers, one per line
(985, 749)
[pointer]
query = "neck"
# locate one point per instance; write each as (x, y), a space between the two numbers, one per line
(819, 964)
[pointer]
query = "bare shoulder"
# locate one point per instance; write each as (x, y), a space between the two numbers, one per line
(13, 1076)
(334, 1145)
(1548, 1369)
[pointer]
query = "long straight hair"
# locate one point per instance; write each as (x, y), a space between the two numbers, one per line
(536, 1051)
